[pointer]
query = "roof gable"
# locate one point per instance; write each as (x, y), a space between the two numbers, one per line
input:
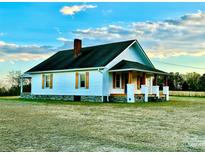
(134, 53)
(138, 50)
(95, 56)
(130, 65)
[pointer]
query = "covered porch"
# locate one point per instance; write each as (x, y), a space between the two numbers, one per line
(25, 85)
(133, 82)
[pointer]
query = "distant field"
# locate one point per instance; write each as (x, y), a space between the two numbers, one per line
(178, 125)
(187, 93)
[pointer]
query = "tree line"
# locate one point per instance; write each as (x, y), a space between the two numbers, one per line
(185, 82)
(176, 81)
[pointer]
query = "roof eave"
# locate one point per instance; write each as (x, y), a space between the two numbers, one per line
(139, 70)
(66, 70)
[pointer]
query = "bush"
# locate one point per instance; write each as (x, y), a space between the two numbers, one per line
(13, 91)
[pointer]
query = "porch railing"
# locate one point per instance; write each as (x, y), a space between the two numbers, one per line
(145, 91)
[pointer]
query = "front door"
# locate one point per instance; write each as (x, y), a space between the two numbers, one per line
(126, 82)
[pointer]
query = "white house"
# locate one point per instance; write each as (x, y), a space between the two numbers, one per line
(110, 72)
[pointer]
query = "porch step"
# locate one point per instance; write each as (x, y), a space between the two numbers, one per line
(155, 99)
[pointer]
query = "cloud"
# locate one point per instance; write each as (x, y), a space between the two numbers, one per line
(110, 32)
(67, 43)
(2, 60)
(71, 10)
(13, 52)
(1, 34)
(107, 12)
(183, 36)
(62, 39)
(15, 48)
(23, 57)
(160, 39)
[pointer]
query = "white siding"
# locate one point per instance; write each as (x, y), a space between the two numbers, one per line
(130, 54)
(64, 84)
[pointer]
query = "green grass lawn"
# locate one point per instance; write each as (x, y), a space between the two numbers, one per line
(178, 125)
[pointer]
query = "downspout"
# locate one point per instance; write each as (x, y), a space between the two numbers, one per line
(102, 84)
(107, 77)
(21, 85)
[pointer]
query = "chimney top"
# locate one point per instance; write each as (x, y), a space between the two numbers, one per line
(77, 47)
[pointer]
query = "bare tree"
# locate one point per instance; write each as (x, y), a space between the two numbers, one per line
(14, 78)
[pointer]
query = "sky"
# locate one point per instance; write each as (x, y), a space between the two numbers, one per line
(170, 33)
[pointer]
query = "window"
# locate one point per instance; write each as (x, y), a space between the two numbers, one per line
(118, 81)
(47, 81)
(82, 80)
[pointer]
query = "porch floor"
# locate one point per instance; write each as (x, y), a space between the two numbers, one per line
(138, 97)
(149, 95)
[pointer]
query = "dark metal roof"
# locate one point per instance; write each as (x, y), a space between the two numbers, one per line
(94, 56)
(129, 65)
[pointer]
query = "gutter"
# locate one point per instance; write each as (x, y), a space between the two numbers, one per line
(66, 70)
(140, 70)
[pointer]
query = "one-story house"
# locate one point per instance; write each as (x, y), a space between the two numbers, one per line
(119, 71)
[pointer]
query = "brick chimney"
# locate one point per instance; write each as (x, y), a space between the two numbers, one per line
(77, 47)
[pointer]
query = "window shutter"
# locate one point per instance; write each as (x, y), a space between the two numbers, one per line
(51, 81)
(113, 77)
(76, 80)
(87, 80)
(43, 77)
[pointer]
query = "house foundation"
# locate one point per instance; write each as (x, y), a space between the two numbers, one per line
(112, 98)
(123, 98)
(63, 97)
(91, 98)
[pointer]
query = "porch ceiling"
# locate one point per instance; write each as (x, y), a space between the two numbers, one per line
(26, 75)
(125, 65)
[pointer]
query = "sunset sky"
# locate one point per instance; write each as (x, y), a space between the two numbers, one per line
(171, 33)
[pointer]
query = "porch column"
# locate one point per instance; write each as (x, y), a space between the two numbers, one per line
(21, 85)
(155, 87)
(130, 89)
(144, 88)
(130, 93)
(166, 88)
(130, 77)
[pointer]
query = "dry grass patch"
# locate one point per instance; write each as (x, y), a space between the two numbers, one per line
(177, 125)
